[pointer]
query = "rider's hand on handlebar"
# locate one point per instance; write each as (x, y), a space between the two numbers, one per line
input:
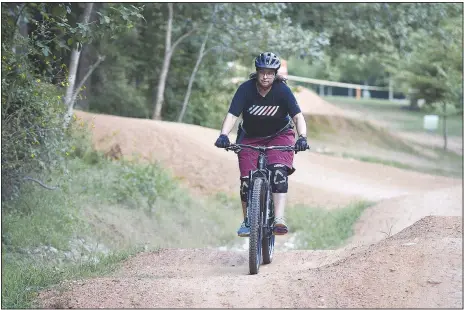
(301, 144)
(222, 141)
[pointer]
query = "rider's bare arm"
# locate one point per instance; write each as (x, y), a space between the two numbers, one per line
(300, 124)
(228, 124)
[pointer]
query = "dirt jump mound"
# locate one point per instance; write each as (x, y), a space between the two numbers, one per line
(419, 267)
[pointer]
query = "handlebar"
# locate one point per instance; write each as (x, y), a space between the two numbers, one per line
(238, 147)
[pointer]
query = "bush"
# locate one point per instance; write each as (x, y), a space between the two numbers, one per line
(33, 139)
(142, 185)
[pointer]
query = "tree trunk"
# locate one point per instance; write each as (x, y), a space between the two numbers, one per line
(195, 69)
(161, 86)
(168, 51)
(74, 61)
(85, 61)
(445, 129)
(164, 70)
(67, 117)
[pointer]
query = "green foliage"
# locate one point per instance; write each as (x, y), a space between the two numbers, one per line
(319, 228)
(32, 136)
(35, 38)
(50, 218)
(23, 279)
(434, 66)
(142, 185)
(53, 218)
(372, 41)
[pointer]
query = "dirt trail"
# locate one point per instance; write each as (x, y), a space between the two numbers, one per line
(188, 151)
(419, 266)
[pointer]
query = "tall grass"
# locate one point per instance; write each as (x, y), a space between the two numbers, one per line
(118, 206)
(22, 278)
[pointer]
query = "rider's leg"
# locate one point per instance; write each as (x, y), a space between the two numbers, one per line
(243, 231)
(244, 209)
(280, 200)
(244, 186)
(279, 185)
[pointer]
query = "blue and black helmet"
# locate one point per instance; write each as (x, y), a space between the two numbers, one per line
(267, 60)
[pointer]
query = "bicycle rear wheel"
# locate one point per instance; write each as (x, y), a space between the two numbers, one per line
(255, 219)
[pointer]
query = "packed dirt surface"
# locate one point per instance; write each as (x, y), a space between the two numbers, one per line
(406, 250)
(419, 267)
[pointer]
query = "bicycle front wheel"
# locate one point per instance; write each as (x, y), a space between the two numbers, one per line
(255, 217)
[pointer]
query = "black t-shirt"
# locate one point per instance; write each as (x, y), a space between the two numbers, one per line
(264, 116)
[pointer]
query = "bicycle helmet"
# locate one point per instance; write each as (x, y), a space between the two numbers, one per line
(267, 60)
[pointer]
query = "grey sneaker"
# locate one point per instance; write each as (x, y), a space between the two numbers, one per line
(243, 231)
(280, 227)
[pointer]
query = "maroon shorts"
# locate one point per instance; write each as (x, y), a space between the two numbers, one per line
(248, 158)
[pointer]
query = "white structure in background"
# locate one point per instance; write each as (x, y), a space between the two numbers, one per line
(430, 122)
(360, 91)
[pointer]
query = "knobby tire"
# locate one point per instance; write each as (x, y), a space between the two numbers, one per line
(255, 216)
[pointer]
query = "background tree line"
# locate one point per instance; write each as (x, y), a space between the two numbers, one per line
(175, 61)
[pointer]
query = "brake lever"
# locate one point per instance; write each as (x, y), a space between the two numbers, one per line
(235, 149)
(307, 148)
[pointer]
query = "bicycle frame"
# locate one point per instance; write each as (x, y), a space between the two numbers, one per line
(261, 172)
(261, 235)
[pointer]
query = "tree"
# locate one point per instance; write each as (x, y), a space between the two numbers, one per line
(71, 92)
(126, 14)
(168, 51)
(33, 58)
(370, 31)
(201, 54)
(236, 27)
(434, 68)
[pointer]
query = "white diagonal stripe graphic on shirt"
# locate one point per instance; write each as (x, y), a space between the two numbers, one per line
(268, 113)
(256, 112)
(251, 108)
(268, 110)
(263, 111)
(275, 111)
(255, 109)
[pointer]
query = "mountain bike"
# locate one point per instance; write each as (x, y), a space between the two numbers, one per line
(260, 207)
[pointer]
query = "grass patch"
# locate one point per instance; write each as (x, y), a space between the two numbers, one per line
(449, 164)
(320, 228)
(122, 205)
(376, 160)
(147, 196)
(23, 279)
(454, 169)
(396, 115)
(347, 131)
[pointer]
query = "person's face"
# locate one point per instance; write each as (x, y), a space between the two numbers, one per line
(266, 77)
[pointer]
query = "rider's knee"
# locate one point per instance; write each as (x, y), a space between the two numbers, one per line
(279, 178)
(245, 183)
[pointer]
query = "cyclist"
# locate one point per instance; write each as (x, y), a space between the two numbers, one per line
(267, 106)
